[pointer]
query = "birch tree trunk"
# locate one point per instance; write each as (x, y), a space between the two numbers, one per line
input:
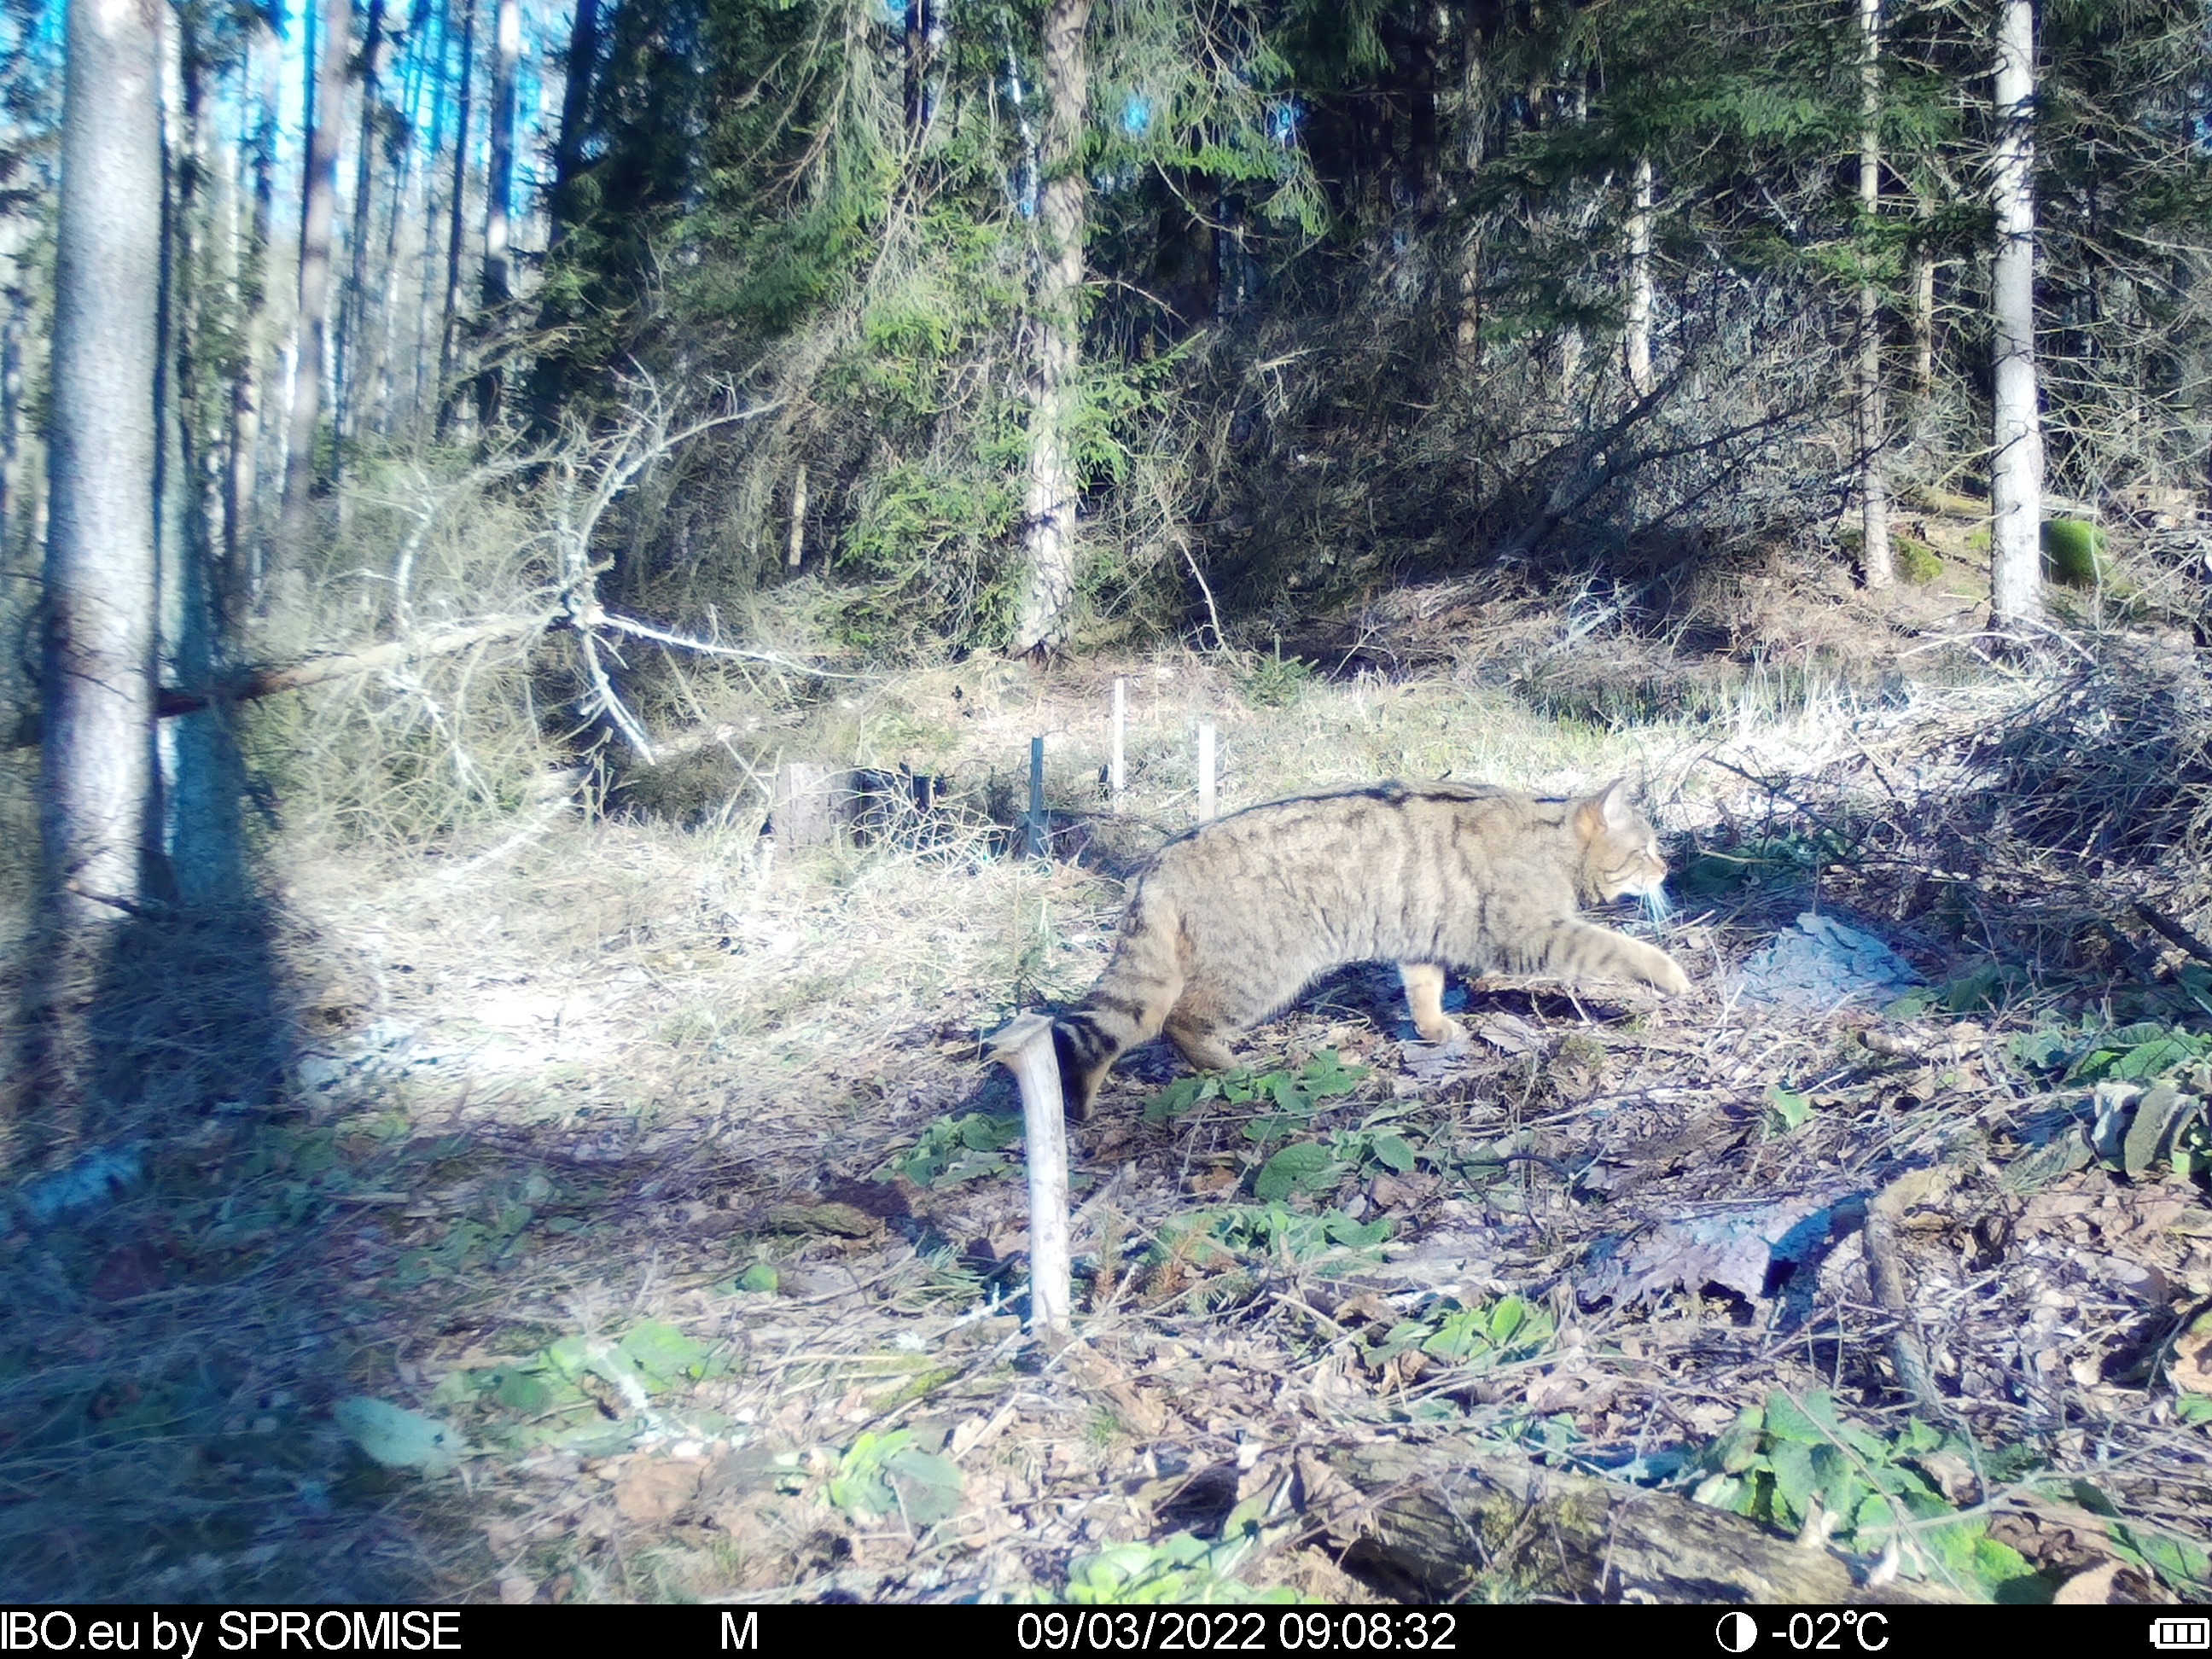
(1637, 344)
(2016, 457)
(320, 182)
(101, 571)
(499, 188)
(1876, 566)
(1049, 579)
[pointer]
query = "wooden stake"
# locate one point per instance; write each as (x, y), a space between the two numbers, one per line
(1120, 719)
(1024, 1048)
(798, 516)
(802, 808)
(1206, 772)
(1036, 836)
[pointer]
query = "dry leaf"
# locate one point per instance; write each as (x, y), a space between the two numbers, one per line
(2191, 1368)
(652, 1491)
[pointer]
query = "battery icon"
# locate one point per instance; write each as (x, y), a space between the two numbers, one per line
(2181, 1632)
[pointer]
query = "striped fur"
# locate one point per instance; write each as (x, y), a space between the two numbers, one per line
(1232, 920)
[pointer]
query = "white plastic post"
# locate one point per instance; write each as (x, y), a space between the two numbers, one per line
(1121, 720)
(1206, 772)
(1024, 1048)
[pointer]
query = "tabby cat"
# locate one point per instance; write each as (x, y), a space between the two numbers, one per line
(1233, 919)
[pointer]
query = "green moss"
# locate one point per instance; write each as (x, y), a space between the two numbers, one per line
(1913, 560)
(1917, 561)
(2074, 553)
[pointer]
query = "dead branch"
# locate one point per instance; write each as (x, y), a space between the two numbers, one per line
(1442, 1514)
(575, 605)
(2173, 931)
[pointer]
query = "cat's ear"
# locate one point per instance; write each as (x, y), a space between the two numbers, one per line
(1607, 810)
(1613, 805)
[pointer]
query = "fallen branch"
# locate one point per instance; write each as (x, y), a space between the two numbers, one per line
(575, 605)
(271, 678)
(1443, 1514)
(2167, 927)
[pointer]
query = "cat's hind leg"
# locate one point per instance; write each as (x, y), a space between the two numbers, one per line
(1425, 998)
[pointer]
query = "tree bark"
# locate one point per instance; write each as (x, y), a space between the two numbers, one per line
(2016, 457)
(448, 335)
(353, 310)
(499, 187)
(1474, 118)
(424, 392)
(1876, 566)
(101, 569)
(1049, 549)
(242, 553)
(576, 110)
(12, 331)
(320, 182)
(1922, 274)
(1637, 344)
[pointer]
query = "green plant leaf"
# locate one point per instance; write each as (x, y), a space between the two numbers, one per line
(1392, 1151)
(1789, 1108)
(1794, 1482)
(664, 1353)
(1341, 1229)
(1180, 1097)
(928, 1485)
(1295, 1169)
(1786, 1420)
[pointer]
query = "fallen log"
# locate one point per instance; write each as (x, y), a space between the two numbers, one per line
(269, 680)
(1438, 1515)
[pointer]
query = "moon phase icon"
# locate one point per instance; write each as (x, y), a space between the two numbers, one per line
(1736, 1632)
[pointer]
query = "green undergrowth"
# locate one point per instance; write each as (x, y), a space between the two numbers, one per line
(1917, 1493)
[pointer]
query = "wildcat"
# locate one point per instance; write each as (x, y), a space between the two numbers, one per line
(1232, 920)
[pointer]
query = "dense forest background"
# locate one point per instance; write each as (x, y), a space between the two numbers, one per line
(1364, 292)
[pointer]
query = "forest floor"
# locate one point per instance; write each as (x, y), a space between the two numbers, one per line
(641, 1199)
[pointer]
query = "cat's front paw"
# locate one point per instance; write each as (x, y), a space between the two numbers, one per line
(1667, 976)
(1444, 1031)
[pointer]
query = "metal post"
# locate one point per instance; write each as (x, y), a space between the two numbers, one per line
(1036, 836)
